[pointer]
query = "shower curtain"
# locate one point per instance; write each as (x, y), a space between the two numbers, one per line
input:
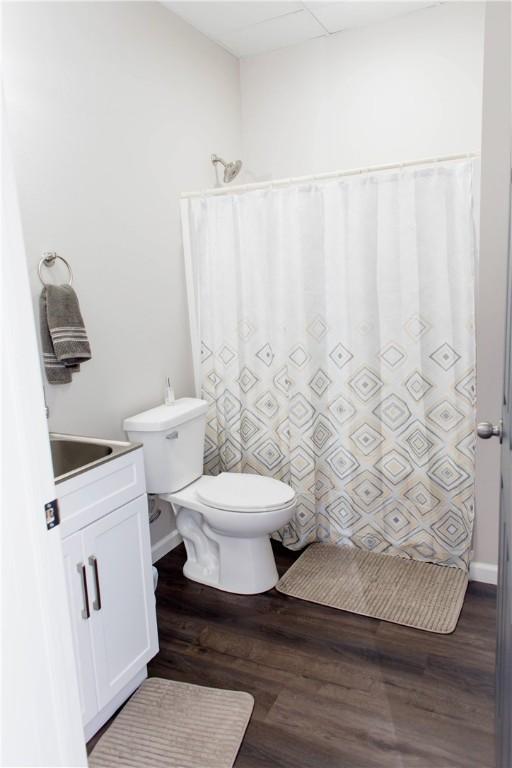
(335, 322)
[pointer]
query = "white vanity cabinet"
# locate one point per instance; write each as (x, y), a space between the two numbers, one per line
(107, 555)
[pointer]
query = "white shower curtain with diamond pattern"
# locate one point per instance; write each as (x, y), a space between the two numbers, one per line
(336, 328)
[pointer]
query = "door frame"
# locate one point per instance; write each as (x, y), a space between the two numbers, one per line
(491, 283)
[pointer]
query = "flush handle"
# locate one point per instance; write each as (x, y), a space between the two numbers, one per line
(485, 430)
(172, 435)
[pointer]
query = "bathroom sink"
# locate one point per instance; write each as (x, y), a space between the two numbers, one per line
(72, 455)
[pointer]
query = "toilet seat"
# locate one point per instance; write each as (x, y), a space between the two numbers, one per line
(239, 492)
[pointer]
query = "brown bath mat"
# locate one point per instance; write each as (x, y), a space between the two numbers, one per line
(408, 592)
(175, 725)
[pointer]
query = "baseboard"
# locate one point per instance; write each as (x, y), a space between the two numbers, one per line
(486, 572)
(165, 545)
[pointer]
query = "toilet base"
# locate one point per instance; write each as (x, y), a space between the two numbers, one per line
(244, 566)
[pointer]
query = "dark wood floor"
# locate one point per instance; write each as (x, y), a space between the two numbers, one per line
(332, 689)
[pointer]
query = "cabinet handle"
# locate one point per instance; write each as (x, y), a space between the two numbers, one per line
(96, 604)
(85, 595)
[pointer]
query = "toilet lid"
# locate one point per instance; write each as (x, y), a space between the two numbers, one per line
(246, 493)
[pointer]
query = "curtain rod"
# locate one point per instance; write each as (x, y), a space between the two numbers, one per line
(227, 190)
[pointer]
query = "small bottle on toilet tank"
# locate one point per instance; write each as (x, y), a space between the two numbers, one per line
(169, 393)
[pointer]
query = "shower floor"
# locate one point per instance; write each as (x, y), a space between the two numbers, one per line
(334, 689)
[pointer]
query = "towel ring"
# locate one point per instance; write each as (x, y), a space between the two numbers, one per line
(48, 260)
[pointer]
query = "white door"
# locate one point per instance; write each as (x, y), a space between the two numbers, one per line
(40, 708)
(504, 604)
(123, 617)
(79, 596)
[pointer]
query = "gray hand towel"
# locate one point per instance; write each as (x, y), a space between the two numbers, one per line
(63, 335)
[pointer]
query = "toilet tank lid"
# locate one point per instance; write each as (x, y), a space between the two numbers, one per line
(164, 417)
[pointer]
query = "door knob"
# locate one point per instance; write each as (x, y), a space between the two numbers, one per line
(485, 430)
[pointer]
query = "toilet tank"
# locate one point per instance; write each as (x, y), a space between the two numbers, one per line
(173, 440)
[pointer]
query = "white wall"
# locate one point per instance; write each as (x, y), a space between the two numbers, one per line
(399, 90)
(403, 89)
(114, 109)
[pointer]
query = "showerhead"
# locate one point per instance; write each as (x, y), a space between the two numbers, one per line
(230, 169)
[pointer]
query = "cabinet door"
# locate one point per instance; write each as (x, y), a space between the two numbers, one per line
(79, 596)
(123, 616)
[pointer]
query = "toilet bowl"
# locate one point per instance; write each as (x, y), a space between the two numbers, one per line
(226, 520)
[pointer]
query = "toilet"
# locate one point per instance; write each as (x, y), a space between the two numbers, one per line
(224, 520)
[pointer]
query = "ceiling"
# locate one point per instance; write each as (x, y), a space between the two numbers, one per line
(256, 26)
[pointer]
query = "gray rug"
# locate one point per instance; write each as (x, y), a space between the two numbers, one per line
(175, 725)
(409, 592)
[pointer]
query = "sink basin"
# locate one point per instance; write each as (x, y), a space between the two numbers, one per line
(72, 455)
(68, 455)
